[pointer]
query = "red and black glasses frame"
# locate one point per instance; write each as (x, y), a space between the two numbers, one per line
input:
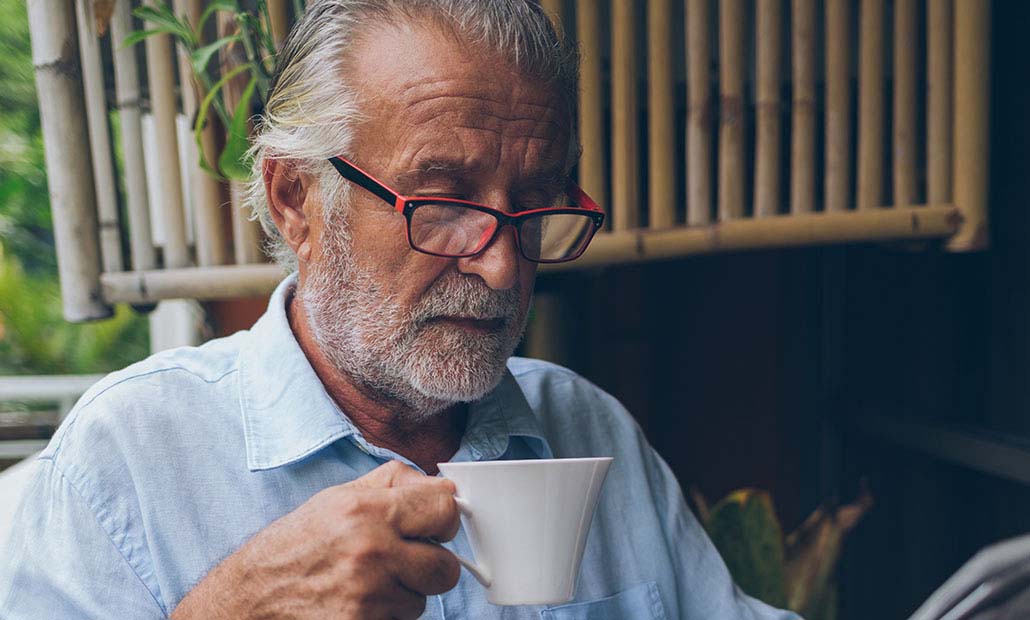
(407, 205)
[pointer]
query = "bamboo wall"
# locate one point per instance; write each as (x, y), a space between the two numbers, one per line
(774, 123)
(707, 125)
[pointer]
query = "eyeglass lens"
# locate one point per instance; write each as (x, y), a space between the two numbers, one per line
(454, 230)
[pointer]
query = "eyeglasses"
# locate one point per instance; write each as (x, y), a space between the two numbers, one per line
(454, 228)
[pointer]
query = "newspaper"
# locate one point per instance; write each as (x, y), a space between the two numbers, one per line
(994, 585)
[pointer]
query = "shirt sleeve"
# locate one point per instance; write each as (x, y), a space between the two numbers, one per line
(59, 562)
(705, 587)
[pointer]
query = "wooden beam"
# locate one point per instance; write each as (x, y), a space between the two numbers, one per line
(838, 106)
(938, 100)
(699, 115)
(802, 145)
(731, 109)
(660, 117)
(904, 126)
(201, 283)
(972, 108)
(922, 222)
(767, 109)
(625, 160)
(870, 106)
(592, 177)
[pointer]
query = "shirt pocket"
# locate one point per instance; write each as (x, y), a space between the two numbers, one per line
(641, 602)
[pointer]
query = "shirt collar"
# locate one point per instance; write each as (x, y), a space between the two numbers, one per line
(288, 415)
(499, 416)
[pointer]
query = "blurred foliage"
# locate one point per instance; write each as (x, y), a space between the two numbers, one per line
(34, 338)
(250, 47)
(747, 533)
(25, 227)
(796, 572)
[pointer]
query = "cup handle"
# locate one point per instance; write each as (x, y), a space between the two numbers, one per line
(480, 573)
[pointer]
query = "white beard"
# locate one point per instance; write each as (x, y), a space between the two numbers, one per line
(399, 353)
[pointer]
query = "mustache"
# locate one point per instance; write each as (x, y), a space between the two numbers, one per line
(456, 295)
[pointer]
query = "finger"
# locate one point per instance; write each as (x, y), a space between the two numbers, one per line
(426, 568)
(389, 475)
(423, 511)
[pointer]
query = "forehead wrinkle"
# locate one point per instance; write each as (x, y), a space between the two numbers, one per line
(485, 108)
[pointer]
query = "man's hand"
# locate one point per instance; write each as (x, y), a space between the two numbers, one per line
(352, 551)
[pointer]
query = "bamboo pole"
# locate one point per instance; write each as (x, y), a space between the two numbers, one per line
(802, 145)
(905, 32)
(160, 72)
(99, 138)
(767, 109)
(127, 92)
(246, 233)
(731, 109)
(661, 116)
(591, 115)
(938, 101)
(66, 145)
(699, 115)
(280, 20)
(782, 231)
(208, 198)
(870, 105)
(972, 106)
(838, 106)
(625, 210)
(201, 283)
(923, 222)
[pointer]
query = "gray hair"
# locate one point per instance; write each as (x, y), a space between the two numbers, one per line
(309, 116)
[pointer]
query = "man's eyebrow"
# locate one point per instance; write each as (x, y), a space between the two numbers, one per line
(459, 171)
(435, 168)
(546, 178)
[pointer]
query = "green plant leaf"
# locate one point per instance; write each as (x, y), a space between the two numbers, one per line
(161, 15)
(138, 35)
(217, 5)
(201, 56)
(744, 528)
(205, 108)
(232, 161)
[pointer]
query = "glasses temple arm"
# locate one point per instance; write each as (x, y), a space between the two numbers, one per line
(359, 177)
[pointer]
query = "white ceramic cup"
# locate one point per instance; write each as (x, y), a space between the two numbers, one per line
(527, 523)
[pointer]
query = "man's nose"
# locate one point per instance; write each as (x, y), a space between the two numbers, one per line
(498, 264)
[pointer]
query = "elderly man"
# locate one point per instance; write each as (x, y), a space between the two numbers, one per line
(413, 165)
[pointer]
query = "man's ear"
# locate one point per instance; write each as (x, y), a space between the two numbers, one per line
(287, 191)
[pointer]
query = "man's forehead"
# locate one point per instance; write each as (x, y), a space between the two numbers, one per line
(420, 67)
(435, 106)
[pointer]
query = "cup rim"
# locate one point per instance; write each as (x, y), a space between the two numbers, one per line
(583, 459)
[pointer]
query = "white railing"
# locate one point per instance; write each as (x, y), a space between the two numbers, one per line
(59, 390)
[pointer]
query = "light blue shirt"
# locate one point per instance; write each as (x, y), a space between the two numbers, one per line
(165, 468)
